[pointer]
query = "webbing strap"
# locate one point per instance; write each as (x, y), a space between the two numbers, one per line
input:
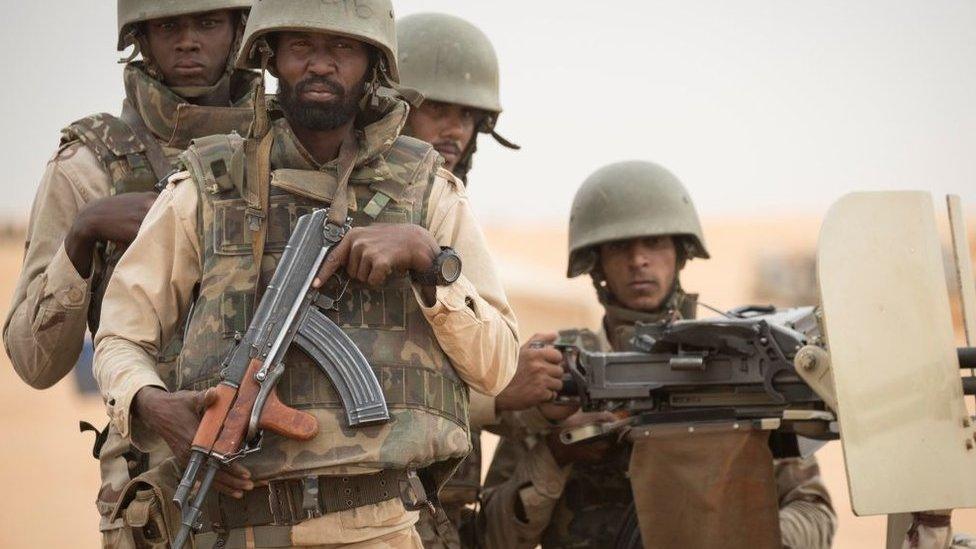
(256, 193)
(347, 162)
(161, 166)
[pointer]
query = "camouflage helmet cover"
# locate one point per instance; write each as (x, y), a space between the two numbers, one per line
(370, 21)
(630, 200)
(133, 12)
(448, 59)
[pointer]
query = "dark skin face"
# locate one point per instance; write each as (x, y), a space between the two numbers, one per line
(192, 50)
(447, 126)
(324, 70)
(640, 272)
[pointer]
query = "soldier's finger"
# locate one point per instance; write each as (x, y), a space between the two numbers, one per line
(238, 470)
(380, 272)
(363, 269)
(550, 355)
(546, 338)
(226, 489)
(233, 482)
(209, 398)
(554, 371)
(336, 259)
(553, 384)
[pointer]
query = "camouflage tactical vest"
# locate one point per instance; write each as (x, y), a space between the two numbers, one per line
(427, 400)
(168, 123)
(142, 149)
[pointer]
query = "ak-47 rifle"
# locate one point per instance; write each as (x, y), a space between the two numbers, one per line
(289, 312)
(741, 372)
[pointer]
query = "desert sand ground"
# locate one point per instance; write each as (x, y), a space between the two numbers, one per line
(48, 478)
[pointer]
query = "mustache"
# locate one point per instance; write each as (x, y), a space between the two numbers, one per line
(334, 87)
(450, 145)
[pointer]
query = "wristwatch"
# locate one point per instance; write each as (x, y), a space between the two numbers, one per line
(445, 269)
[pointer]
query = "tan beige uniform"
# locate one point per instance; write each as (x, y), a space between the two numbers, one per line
(48, 316)
(50, 311)
(525, 487)
(146, 302)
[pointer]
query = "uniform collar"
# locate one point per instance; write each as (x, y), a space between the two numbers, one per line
(619, 322)
(373, 139)
(175, 121)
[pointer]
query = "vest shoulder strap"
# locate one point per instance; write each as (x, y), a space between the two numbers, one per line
(117, 148)
(106, 135)
(216, 163)
(411, 160)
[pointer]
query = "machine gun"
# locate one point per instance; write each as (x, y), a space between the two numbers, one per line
(750, 370)
(289, 312)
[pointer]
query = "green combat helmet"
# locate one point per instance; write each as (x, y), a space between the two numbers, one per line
(372, 23)
(630, 200)
(133, 12)
(448, 59)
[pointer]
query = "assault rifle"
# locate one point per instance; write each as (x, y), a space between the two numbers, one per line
(750, 370)
(289, 312)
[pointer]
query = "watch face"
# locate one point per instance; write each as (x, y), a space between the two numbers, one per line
(451, 268)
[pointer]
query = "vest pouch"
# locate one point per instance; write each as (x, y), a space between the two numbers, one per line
(146, 506)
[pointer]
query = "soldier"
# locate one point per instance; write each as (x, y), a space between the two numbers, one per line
(211, 243)
(632, 228)
(453, 64)
(99, 185)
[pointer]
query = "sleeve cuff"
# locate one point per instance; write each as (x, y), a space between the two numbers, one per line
(120, 407)
(64, 283)
(457, 297)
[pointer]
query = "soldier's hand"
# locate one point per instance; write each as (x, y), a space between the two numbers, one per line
(110, 219)
(593, 451)
(115, 218)
(372, 254)
(538, 376)
(175, 418)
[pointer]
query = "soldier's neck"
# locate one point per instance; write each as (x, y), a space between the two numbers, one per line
(323, 146)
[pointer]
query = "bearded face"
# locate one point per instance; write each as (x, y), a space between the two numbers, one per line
(321, 78)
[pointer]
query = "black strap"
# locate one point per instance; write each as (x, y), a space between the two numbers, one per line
(100, 436)
(161, 167)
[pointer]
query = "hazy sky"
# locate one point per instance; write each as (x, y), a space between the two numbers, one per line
(757, 105)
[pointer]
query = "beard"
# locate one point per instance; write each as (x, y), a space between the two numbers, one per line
(317, 115)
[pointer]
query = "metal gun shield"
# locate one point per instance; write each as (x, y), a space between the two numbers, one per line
(907, 438)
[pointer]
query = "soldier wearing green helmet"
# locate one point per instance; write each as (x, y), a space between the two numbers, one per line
(632, 228)
(454, 66)
(211, 244)
(100, 183)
